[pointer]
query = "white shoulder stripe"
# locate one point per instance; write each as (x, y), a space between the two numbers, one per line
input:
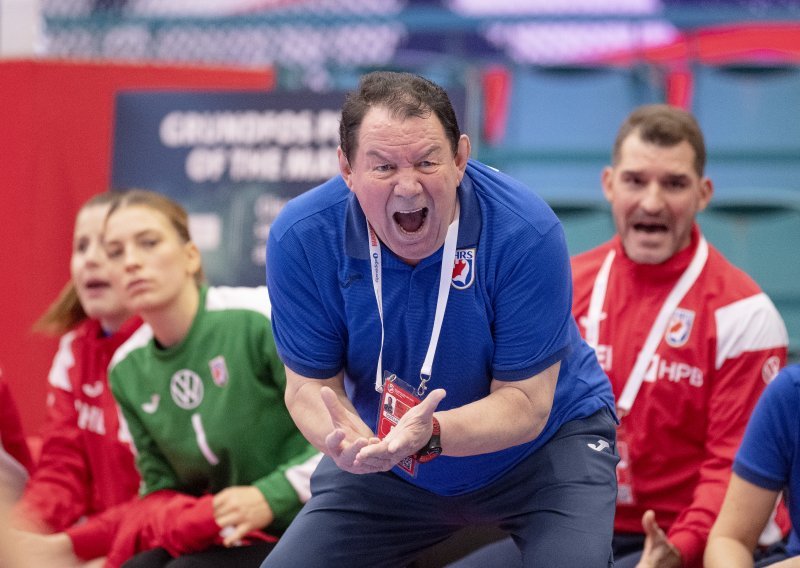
(247, 298)
(63, 361)
(140, 338)
(299, 477)
(751, 324)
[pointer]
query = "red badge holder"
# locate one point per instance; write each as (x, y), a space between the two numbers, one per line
(397, 399)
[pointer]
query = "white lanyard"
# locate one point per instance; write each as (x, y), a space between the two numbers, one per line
(445, 277)
(682, 286)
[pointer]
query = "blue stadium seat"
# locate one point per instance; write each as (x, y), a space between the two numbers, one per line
(586, 224)
(750, 116)
(760, 233)
(562, 122)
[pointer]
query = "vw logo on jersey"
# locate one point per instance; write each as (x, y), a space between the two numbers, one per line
(464, 269)
(679, 327)
(186, 388)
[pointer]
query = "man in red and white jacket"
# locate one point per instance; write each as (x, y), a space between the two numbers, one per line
(688, 340)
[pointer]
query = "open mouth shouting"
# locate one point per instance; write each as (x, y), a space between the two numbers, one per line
(411, 222)
(650, 227)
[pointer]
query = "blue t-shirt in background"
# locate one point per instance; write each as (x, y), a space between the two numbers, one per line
(508, 314)
(769, 456)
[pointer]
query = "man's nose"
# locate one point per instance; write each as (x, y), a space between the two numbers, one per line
(653, 199)
(407, 184)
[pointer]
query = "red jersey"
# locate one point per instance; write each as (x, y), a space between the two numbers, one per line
(15, 457)
(721, 346)
(86, 464)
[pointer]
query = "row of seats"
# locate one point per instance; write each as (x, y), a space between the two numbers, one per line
(561, 123)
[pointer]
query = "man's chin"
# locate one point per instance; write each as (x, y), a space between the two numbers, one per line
(648, 254)
(411, 250)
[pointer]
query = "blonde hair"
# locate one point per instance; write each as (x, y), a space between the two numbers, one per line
(66, 311)
(176, 214)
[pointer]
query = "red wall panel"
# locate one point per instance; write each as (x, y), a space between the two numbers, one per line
(56, 122)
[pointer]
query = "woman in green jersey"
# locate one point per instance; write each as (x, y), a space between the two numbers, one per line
(200, 386)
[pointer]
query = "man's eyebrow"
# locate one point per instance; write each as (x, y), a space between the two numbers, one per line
(432, 150)
(377, 154)
(374, 153)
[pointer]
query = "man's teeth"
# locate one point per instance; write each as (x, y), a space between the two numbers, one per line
(411, 221)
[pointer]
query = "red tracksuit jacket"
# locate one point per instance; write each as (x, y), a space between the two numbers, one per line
(723, 344)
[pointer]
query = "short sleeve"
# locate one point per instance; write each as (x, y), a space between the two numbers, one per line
(307, 341)
(533, 308)
(765, 455)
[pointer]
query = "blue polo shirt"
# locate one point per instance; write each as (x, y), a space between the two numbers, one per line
(508, 314)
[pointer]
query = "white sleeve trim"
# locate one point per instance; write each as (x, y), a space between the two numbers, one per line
(140, 338)
(248, 298)
(751, 324)
(299, 477)
(63, 361)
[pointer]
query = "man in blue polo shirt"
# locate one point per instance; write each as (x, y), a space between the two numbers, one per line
(421, 304)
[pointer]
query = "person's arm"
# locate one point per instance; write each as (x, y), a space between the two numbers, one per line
(58, 492)
(513, 413)
(735, 533)
(340, 433)
(271, 501)
(737, 385)
(92, 538)
(761, 470)
(167, 519)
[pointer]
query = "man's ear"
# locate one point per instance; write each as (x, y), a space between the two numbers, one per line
(706, 192)
(607, 181)
(462, 153)
(344, 168)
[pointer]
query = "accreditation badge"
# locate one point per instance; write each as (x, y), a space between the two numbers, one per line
(397, 399)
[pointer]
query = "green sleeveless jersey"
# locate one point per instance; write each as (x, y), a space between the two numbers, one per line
(208, 413)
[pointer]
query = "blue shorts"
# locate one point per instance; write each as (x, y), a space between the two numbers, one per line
(557, 504)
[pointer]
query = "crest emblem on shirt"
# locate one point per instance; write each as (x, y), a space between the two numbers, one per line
(464, 269)
(770, 368)
(186, 388)
(679, 327)
(219, 370)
